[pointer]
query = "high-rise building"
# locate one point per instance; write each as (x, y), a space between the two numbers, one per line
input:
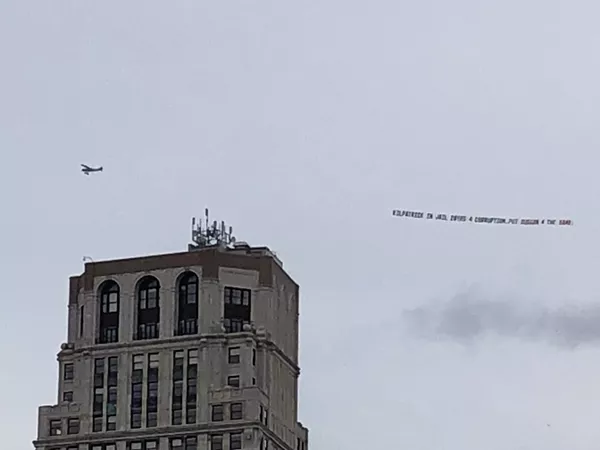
(185, 351)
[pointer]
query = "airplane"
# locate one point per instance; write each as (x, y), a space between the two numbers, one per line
(87, 169)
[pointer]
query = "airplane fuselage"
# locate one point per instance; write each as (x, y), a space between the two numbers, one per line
(87, 170)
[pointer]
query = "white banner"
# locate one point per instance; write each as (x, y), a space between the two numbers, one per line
(480, 219)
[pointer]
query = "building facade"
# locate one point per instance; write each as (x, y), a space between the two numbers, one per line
(186, 351)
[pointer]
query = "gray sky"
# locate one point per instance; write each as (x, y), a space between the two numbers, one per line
(303, 125)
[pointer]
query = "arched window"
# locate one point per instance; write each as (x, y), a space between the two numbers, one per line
(109, 312)
(187, 304)
(148, 309)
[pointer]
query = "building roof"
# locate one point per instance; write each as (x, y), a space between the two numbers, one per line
(259, 259)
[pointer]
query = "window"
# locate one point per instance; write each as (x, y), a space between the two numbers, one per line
(188, 443)
(113, 370)
(147, 331)
(192, 387)
(237, 309)
(112, 395)
(151, 419)
(81, 320)
(191, 443)
(138, 362)
(99, 372)
(142, 445)
(254, 357)
(187, 305)
(193, 357)
(137, 378)
(153, 361)
(187, 327)
(108, 335)
(237, 297)
(176, 444)
(216, 442)
(68, 372)
(136, 420)
(217, 413)
(111, 399)
(177, 394)
(185, 376)
(111, 446)
(236, 411)
(148, 293)
(152, 390)
(68, 396)
(234, 355)
(177, 417)
(148, 309)
(109, 297)
(111, 423)
(99, 366)
(233, 325)
(264, 415)
(113, 364)
(73, 426)
(109, 313)
(233, 381)
(235, 441)
(55, 428)
(97, 424)
(98, 398)
(98, 403)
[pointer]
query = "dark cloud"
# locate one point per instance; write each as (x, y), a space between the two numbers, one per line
(469, 316)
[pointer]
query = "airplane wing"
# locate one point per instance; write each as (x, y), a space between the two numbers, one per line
(86, 167)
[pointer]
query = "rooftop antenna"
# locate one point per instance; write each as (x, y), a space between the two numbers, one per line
(205, 234)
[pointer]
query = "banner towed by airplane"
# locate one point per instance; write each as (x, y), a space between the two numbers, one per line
(479, 219)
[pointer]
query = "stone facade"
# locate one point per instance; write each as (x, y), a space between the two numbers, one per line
(262, 359)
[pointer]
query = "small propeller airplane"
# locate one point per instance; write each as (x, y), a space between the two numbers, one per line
(87, 169)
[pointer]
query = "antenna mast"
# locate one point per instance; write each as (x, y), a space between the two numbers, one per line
(205, 234)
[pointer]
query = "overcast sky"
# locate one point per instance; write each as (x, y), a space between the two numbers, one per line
(302, 124)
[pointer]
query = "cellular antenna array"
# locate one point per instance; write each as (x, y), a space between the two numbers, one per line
(205, 234)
